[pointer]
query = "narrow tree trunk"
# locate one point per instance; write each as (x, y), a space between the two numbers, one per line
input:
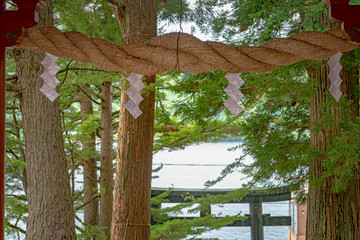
(91, 209)
(106, 173)
(51, 215)
(332, 215)
(131, 210)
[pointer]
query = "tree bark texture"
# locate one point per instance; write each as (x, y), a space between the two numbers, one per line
(107, 172)
(332, 215)
(50, 214)
(91, 209)
(132, 186)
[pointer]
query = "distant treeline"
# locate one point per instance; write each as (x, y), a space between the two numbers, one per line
(234, 139)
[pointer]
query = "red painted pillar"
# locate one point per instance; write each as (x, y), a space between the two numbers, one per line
(2, 141)
(2, 132)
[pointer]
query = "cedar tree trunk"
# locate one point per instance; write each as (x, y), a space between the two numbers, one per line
(332, 215)
(131, 210)
(107, 172)
(51, 215)
(91, 209)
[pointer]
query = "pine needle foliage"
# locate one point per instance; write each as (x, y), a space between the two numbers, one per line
(168, 227)
(275, 132)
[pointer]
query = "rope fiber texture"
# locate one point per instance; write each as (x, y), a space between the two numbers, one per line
(184, 52)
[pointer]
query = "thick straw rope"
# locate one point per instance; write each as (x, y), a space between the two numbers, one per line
(191, 54)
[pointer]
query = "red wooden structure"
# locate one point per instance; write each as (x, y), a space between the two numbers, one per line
(11, 24)
(347, 15)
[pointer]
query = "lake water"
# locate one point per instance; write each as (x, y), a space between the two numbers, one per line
(180, 171)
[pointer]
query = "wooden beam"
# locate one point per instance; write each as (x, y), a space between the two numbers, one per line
(267, 221)
(267, 195)
(276, 220)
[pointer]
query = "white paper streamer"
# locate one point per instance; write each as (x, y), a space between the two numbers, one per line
(233, 90)
(334, 75)
(136, 85)
(49, 77)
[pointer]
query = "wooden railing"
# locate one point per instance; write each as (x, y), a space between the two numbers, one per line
(256, 220)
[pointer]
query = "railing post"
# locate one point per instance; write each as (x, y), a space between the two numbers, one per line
(257, 227)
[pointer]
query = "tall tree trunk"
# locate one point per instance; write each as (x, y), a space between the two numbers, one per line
(51, 214)
(106, 173)
(91, 209)
(332, 215)
(131, 210)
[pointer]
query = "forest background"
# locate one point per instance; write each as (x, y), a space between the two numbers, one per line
(276, 127)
